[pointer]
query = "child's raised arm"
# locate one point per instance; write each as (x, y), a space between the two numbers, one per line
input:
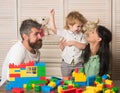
(52, 22)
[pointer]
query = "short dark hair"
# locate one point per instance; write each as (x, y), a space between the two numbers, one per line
(26, 26)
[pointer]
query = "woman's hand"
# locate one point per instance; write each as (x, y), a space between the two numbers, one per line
(62, 44)
(69, 43)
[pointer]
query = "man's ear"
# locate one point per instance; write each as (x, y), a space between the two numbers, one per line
(25, 36)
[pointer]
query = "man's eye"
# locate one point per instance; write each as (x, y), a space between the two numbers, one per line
(36, 34)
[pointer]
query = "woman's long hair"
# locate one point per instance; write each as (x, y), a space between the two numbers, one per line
(103, 52)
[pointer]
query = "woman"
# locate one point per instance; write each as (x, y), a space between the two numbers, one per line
(97, 55)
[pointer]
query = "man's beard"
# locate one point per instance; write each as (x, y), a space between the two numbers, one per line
(35, 45)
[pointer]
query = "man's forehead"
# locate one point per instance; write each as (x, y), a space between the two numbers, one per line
(35, 30)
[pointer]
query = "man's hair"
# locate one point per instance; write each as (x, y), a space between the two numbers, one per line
(27, 25)
(74, 17)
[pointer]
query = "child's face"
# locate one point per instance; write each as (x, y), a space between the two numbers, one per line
(76, 28)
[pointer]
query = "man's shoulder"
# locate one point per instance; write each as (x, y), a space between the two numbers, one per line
(18, 46)
(18, 43)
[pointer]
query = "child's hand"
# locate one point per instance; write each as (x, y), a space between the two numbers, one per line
(52, 12)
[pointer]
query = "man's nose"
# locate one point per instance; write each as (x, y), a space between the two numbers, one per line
(41, 33)
(39, 36)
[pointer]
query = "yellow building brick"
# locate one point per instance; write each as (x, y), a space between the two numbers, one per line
(14, 70)
(11, 78)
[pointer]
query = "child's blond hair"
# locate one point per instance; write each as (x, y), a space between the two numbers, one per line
(73, 18)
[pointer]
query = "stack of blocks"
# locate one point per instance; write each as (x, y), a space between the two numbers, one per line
(32, 75)
(83, 84)
(26, 75)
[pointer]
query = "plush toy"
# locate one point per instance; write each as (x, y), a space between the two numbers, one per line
(44, 22)
(90, 26)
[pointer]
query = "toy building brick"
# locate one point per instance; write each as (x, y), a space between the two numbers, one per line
(26, 75)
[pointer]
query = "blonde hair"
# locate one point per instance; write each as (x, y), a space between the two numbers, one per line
(73, 18)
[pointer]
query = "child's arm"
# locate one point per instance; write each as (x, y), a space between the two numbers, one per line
(52, 22)
(76, 44)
